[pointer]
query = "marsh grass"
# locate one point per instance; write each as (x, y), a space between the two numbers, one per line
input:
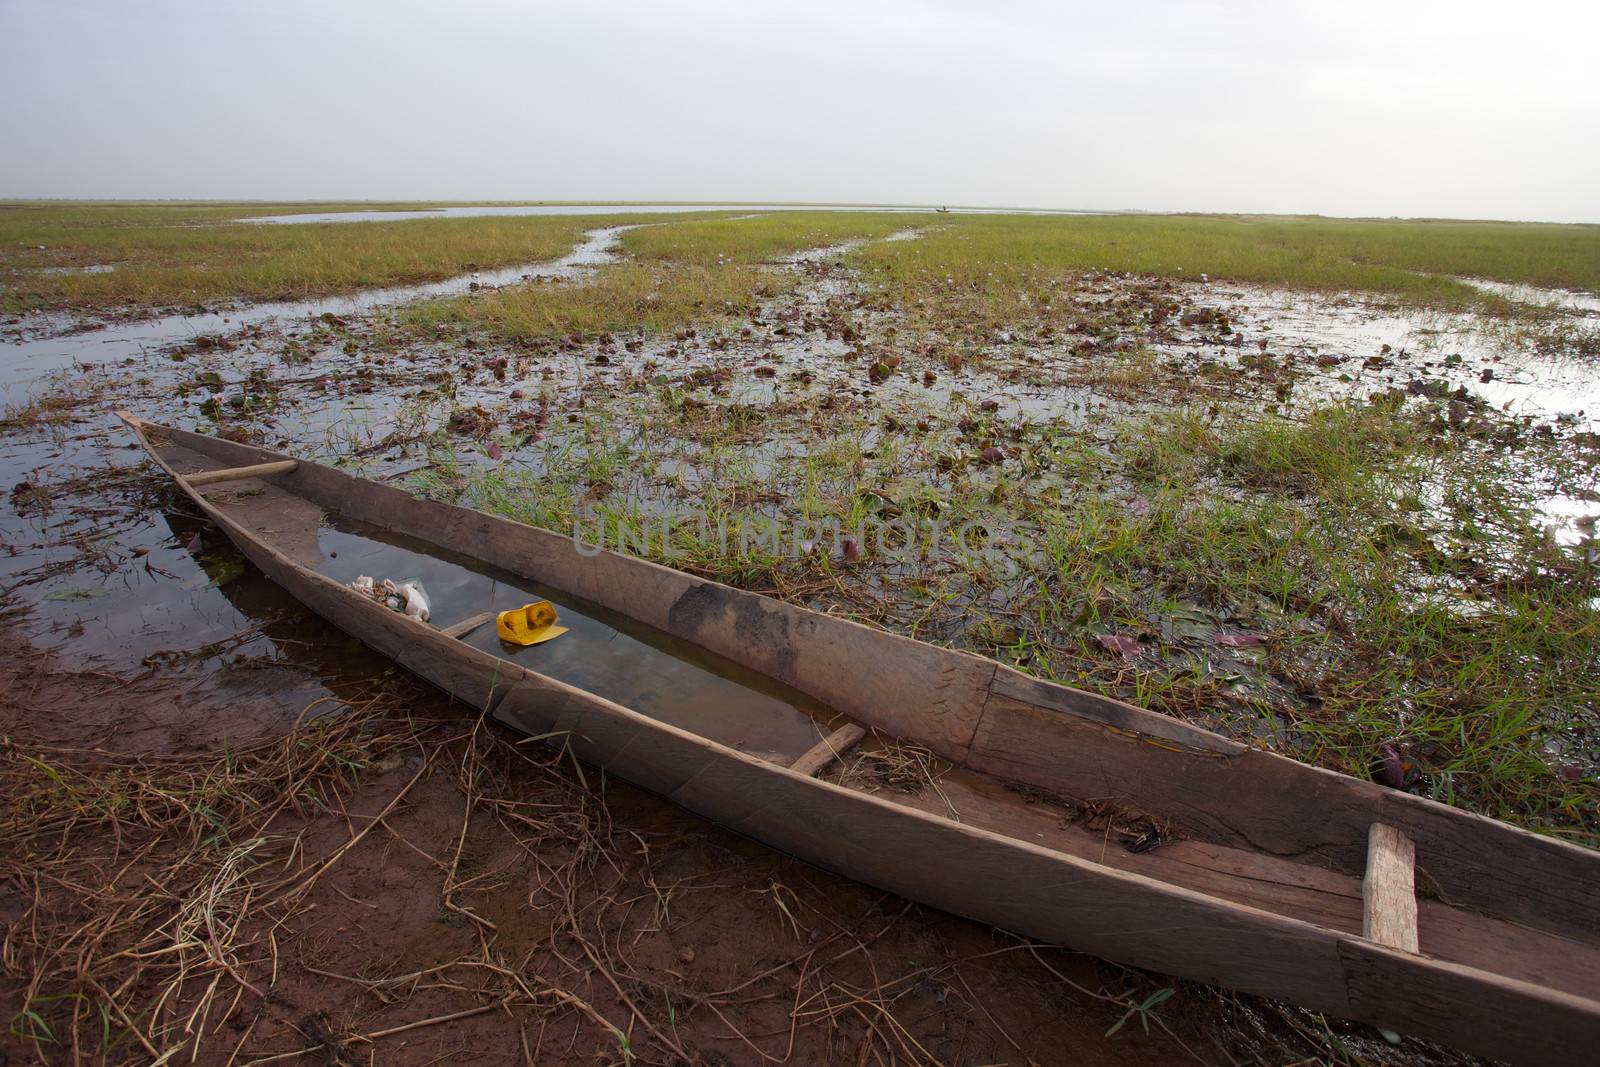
(1336, 452)
(673, 274)
(624, 296)
(1458, 633)
(760, 238)
(170, 254)
(1010, 259)
(166, 255)
(1383, 562)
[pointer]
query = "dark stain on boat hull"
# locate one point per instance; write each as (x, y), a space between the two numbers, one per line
(765, 631)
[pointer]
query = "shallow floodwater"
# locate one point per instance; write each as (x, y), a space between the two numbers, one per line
(1565, 299)
(24, 364)
(1459, 348)
(604, 652)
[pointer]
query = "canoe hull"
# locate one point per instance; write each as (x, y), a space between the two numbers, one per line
(965, 870)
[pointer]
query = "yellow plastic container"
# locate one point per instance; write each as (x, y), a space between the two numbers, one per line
(531, 624)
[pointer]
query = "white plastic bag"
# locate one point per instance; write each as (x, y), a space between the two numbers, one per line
(416, 601)
(408, 597)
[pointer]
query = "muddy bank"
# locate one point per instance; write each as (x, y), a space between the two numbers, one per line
(339, 864)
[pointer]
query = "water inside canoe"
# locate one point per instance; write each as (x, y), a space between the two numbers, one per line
(604, 652)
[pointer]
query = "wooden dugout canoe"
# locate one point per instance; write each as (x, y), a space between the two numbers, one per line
(1272, 877)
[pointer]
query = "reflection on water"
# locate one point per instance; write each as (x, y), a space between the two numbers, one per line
(1565, 299)
(604, 653)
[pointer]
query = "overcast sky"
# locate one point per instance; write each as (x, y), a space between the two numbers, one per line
(1347, 108)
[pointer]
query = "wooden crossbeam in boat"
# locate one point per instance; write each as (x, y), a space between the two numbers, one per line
(230, 474)
(466, 626)
(1388, 891)
(828, 749)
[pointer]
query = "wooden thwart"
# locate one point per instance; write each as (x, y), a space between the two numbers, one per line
(231, 474)
(466, 626)
(1388, 892)
(830, 748)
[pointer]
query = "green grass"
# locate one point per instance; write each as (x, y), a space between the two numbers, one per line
(625, 296)
(1469, 695)
(1333, 454)
(1006, 258)
(1454, 630)
(673, 274)
(168, 254)
(180, 254)
(760, 239)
